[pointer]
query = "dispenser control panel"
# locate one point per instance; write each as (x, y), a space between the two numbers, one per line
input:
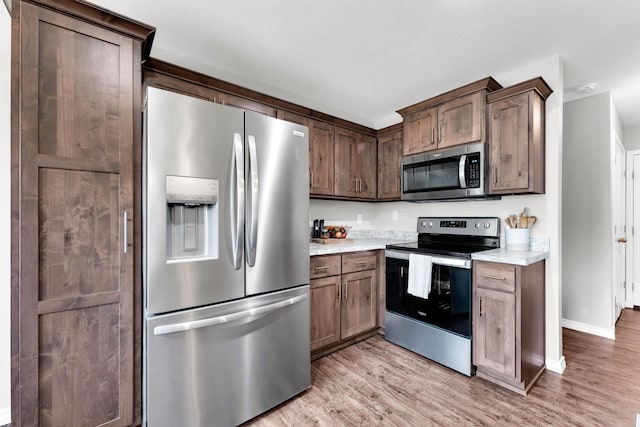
(191, 190)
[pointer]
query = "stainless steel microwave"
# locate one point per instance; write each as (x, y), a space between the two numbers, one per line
(450, 173)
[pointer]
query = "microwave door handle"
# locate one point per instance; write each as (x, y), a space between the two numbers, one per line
(461, 168)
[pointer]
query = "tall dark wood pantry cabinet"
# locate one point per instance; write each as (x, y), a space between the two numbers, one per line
(76, 150)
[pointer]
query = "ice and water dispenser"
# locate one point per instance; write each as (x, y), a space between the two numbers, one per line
(192, 218)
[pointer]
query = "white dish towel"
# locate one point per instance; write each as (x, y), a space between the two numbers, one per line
(419, 275)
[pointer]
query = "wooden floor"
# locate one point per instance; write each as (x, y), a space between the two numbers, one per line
(375, 383)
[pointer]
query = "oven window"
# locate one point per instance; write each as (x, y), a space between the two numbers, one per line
(448, 305)
(439, 174)
(450, 299)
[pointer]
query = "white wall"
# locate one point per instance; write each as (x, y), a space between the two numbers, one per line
(547, 207)
(632, 138)
(587, 290)
(5, 215)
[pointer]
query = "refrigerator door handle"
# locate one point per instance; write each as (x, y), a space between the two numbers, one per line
(237, 201)
(253, 199)
(227, 318)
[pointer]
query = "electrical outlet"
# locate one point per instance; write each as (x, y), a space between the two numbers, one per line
(359, 218)
(394, 215)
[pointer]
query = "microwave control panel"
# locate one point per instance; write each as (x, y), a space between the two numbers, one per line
(473, 170)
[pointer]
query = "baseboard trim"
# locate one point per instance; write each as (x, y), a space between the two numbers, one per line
(556, 365)
(5, 416)
(609, 333)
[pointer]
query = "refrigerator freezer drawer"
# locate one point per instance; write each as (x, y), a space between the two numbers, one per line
(225, 364)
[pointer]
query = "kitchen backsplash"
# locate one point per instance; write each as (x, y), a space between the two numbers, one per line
(409, 236)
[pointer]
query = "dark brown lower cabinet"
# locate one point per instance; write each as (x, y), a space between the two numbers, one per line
(343, 298)
(75, 152)
(509, 323)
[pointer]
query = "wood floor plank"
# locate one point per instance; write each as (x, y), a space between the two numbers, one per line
(376, 383)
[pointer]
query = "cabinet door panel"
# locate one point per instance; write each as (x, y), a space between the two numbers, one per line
(419, 132)
(321, 158)
(358, 303)
(509, 136)
(346, 160)
(389, 167)
(325, 311)
(494, 334)
(366, 166)
(461, 120)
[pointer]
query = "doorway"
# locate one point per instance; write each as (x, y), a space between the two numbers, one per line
(633, 221)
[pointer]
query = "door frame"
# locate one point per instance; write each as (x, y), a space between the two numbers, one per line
(631, 238)
(616, 143)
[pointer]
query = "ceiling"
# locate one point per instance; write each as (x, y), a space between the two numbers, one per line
(362, 60)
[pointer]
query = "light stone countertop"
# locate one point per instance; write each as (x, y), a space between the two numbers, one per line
(367, 240)
(510, 257)
(363, 240)
(538, 250)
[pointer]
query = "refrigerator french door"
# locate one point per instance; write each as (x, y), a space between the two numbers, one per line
(226, 262)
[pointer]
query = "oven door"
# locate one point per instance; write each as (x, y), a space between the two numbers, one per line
(448, 305)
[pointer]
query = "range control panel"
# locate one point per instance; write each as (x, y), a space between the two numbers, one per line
(480, 226)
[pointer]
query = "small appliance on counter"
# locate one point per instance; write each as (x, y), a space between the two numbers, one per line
(428, 288)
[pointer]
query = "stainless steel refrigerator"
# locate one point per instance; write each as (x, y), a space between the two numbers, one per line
(226, 262)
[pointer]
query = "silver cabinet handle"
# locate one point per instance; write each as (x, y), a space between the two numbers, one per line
(220, 320)
(323, 268)
(402, 271)
(236, 192)
(495, 173)
(441, 137)
(362, 262)
(126, 232)
(490, 276)
(346, 291)
(355, 183)
(253, 202)
(433, 135)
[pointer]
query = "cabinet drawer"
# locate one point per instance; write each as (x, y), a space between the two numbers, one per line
(358, 261)
(323, 266)
(491, 275)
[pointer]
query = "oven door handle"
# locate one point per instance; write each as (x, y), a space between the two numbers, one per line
(435, 260)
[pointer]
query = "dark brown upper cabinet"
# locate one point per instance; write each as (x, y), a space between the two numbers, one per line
(389, 167)
(321, 156)
(355, 160)
(516, 122)
(453, 118)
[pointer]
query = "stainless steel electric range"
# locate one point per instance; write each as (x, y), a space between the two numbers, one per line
(428, 288)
